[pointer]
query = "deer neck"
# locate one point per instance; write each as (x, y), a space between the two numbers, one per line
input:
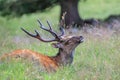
(64, 57)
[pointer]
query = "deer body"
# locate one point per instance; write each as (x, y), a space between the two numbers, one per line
(64, 56)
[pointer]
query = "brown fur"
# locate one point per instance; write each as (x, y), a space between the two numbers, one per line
(47, 62)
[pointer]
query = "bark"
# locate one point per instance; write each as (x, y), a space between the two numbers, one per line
(71, 8)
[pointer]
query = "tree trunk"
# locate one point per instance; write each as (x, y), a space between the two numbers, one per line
(71, 8)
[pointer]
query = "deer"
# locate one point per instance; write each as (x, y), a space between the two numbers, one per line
(66, 46)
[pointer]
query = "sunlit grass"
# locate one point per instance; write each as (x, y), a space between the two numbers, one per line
(99, 8)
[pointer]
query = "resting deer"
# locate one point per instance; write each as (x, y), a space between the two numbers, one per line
(65, 53)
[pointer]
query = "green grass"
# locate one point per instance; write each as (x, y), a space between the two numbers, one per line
(12, 71)
(95, 59)
(99, 8)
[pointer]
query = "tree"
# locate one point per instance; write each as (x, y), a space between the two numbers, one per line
(28, 6)
(20, 7)
(71, 8)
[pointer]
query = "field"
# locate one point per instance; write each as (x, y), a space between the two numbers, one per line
(98, 58)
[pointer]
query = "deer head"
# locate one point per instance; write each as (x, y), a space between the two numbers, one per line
(66, 44)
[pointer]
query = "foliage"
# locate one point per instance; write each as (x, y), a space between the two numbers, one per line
(24, 6)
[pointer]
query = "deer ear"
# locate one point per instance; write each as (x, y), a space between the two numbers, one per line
(56, 45)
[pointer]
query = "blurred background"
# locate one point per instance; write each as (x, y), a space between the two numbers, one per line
(77, 10)
(97, 20)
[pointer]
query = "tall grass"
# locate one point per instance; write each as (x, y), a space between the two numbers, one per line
(97, 58)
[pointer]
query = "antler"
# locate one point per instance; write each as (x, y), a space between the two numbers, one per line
(49, 30)
(57, 38)
(62, 24)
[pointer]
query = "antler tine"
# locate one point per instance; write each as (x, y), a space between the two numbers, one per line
(49, 25)
(62, 24)
(49, 30)
(41, 25)
(36, 36)
(62, 32)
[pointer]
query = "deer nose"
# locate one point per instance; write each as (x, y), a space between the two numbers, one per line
(81, 39)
